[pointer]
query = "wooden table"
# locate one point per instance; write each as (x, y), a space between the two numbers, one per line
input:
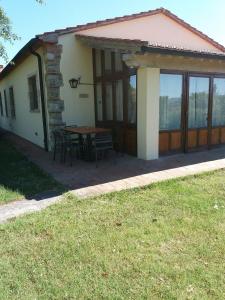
(86, 131)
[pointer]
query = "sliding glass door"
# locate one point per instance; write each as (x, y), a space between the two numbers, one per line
(218, 112)
(184, 112)
(192, 111)
(170, 115)
(198, 112)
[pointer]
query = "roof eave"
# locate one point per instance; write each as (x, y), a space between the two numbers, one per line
(178, 52)
(33, 44)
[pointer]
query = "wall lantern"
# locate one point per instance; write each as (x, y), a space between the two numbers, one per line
(74, 82)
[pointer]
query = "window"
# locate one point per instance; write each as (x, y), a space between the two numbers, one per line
(33, 93)
(118, 62)
(1, 105)
(109, 101)
(132, 100)
(108, 61)
(12, 103)
(170, 101)
(99, 101)
(119, 100)
(115, 88)
(218, 115)
(6, 104)
(198, 102)
(98, 62)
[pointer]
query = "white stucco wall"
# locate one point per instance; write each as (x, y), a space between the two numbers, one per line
(76, 61)
(27, 124)
(155, 28)
(148, 113)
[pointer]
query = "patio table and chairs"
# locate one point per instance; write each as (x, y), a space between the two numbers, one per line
(64, 145)
(86, 143)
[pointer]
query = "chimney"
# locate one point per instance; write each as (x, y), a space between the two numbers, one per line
(1, 68)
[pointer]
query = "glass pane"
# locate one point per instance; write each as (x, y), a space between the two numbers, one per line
(109, 102)
(118, 62)
(218, 115)
(6, 104)
(132, 100)
(12, 102)
(198, 102)
(119, 100)
(108, 61)
(1, 105)
(170, 101)
(33, 93)
(98, 62)
(99, 101)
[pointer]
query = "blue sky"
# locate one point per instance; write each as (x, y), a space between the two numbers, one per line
(29, 18)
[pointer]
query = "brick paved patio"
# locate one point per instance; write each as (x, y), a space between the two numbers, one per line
(120, 172)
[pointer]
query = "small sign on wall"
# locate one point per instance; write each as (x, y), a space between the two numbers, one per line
(83, 96)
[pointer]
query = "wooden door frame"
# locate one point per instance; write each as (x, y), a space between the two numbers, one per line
(112, 77)
(209, 112)
(183, 106)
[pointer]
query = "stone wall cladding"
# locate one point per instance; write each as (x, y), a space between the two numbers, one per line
(53, 80)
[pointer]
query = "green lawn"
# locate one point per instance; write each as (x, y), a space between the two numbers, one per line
(20, 178)
(166, 241)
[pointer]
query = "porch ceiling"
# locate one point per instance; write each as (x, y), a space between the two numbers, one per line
(125, 45)
(175, 61)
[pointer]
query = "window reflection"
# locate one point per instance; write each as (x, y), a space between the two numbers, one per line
(198, 102)
(218, 115)
(108, 61)
(118, 62)
(119, 100)
(170, 101)
(98, 62)
(99, 101)
(109, 102)
(132, 100)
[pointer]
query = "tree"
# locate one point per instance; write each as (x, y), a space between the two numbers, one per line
(6, 32)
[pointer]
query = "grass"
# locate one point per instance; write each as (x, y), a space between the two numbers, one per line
(19, 178)
(166, 241)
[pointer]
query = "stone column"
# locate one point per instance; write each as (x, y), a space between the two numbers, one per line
(53, 80)
(148, 113)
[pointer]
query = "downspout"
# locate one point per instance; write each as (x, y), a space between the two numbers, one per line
(44, 121)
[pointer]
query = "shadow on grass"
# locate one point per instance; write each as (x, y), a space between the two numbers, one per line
(45, 195)
(20, 178)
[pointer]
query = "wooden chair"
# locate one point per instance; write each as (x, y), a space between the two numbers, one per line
(58, 141)
(102, 143)
(71, 147)
(118, 139)
(74, 136)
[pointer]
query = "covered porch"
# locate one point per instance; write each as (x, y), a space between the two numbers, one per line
(156, 100)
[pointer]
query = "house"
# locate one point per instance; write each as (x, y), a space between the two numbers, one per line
(155, 80)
